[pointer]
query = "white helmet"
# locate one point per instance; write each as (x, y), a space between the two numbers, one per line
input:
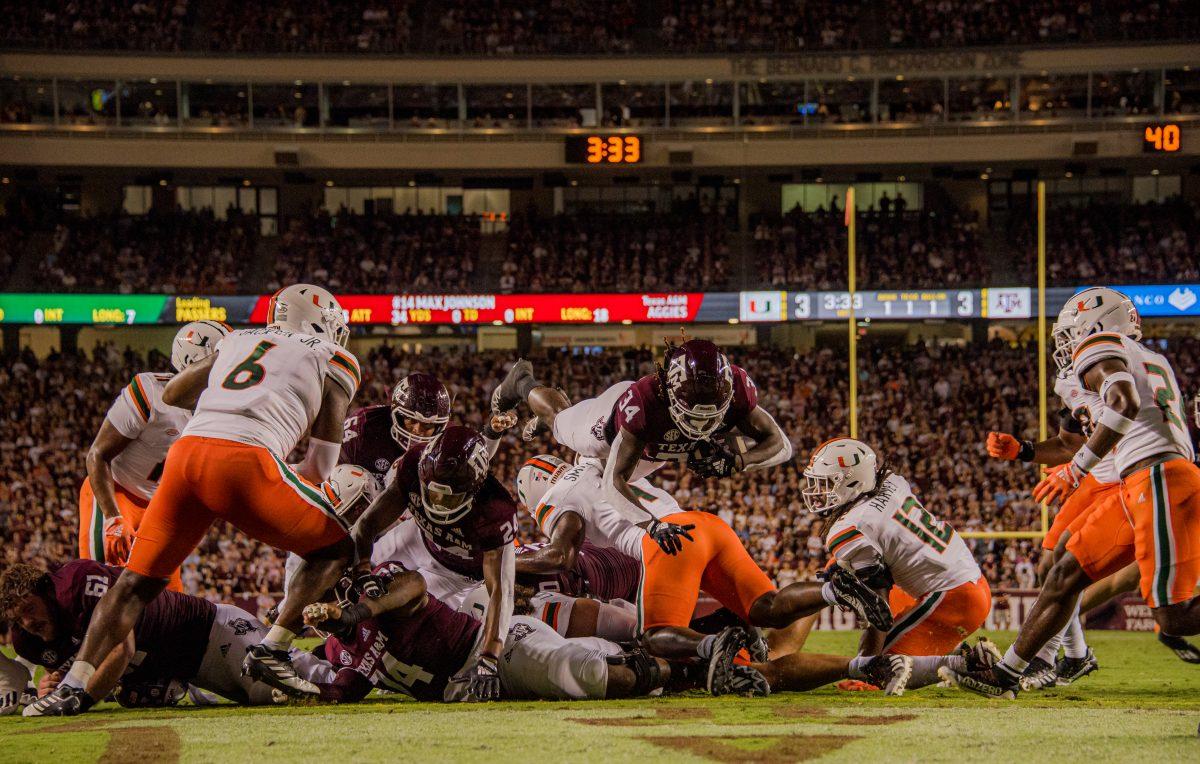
(535, 478)
(195, 342)
(308, 309)
(1095, 310)
(839, 471)
(353, 485)
(1061, 334)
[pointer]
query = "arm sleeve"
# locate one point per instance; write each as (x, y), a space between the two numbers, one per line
(319, 460)
(130, 412)
(343, 367)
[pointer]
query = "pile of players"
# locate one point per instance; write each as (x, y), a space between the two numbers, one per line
(418, 587)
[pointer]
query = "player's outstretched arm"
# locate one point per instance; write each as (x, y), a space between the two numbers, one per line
(559, 555)
(387, 508)
(405, 594)
(623, 460)
(109, 672)
(772, 446)
(185, 388)
(325, 435)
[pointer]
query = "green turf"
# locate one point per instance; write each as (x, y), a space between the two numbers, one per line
(1143, 705)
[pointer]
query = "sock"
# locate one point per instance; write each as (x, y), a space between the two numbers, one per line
(79, 675)
(1074, 643)
(857, 665)
(278, 638)
(925, 668)
(827, 593)
(1014, 664)
(705, 648)
(1049, 651)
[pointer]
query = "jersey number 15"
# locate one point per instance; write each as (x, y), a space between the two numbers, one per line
(923, 525)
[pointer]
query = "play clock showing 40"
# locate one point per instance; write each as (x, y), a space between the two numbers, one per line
(604, 149)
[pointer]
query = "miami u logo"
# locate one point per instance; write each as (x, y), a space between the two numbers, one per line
(1091, 302)
(855, 463)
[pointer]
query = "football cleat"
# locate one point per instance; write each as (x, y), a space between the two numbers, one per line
(1184, 650)
(756, 645)
(1072, 669)
(995, 682)
(982, 655)
(852, 594)
(1038, 675)
(507, 394)
(890, 673)
(274, 668)
(726, 647)
(64, 701)
(531, 428)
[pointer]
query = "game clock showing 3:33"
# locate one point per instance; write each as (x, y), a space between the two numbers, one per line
(616, 149)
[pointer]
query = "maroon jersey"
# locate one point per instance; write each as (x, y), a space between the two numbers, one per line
(460, 545)
(171, 633)
(416, 654)
(367, 441)
(600, 572)
(647, 415)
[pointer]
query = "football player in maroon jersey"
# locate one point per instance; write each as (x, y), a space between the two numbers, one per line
(376, 436)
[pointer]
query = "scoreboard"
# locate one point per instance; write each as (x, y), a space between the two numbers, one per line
(897, 305)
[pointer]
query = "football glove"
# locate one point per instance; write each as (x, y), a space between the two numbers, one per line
(669, 536)
(709, 459)
(118, 539)
(485, 681)
(1001, 445)
(1059, 483)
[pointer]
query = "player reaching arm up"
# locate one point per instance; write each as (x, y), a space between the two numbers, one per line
(254, 399)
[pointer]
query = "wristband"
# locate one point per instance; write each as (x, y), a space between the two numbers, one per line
(1085, 459)
(1115, 421)
(1025, 452)
(352, 615)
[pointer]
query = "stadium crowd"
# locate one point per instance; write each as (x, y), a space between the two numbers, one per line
(574, 27)
(926, 408)
(625, 253)
(895, 250)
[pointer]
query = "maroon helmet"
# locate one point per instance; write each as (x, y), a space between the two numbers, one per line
(699, 387)
(453, 466)
(420, 409)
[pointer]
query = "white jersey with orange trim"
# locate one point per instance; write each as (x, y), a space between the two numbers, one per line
(1085, 407)
(152, 426)
(890, 526)
(266, 386)
(1160, 426)
(579, 490)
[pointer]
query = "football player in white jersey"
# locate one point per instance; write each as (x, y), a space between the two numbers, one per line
(878, 528)
(254, 399)
(126, 459)
(563, 500)
(1142, 423)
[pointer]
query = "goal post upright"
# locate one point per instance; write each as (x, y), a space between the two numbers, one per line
(851, 215)
(1043, 427)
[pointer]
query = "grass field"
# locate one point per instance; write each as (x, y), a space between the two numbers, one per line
(1143, 705)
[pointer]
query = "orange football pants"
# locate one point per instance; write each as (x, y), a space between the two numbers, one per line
(1088, 495)
(939, 621)
(1102, 538)
(715, 562)
(93, 544)
(1164, 504)
(206, 479)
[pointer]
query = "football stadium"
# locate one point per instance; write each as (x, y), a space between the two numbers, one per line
(691, 380)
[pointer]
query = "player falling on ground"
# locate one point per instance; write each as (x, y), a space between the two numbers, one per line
(1077, 418)
(126, 459)
(683, 553)
(467, 523)
(1155, 516)
(376, 437)
(409, 641)
(879, 530)
(679, 413)
(254, 399)
(178, 640)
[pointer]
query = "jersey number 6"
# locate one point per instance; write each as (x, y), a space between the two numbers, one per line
(249, 372)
